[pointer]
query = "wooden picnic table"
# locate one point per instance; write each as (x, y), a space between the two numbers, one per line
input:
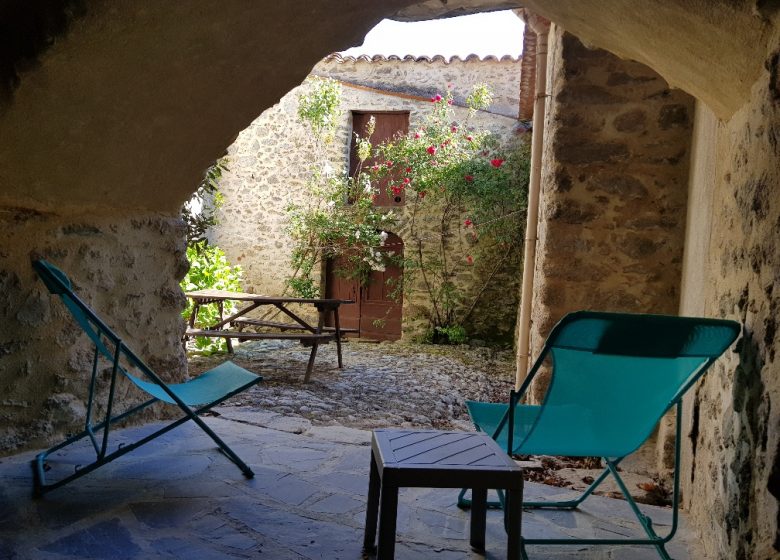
(305, 332)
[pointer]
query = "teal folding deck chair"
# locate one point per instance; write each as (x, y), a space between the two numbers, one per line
(613, 377)
(193, 397)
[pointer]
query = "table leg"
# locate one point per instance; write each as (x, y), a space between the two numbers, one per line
(514, 510)
(221, 307)
(388, 510)
(372, 506)
(338, 335)
(310, 365)
(478, 518)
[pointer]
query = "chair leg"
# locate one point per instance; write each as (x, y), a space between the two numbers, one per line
(224, 448)
(573, 504)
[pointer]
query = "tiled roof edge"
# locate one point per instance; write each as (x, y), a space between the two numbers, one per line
(339, 58)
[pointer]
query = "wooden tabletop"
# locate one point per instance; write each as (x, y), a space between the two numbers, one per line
(221, 295)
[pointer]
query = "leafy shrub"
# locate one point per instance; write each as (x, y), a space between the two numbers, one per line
(209, 269)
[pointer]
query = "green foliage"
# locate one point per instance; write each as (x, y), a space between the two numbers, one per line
(339, 218)
(209, 269)
(459, 178)
(474, 189)
(319, 107)
(200, 211)
(454, 334)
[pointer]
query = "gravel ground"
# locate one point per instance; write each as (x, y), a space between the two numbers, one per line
(388, 384)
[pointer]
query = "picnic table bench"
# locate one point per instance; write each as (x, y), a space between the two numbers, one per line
(230, 328)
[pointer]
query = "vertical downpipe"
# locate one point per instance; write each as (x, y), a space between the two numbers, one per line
(541, 27)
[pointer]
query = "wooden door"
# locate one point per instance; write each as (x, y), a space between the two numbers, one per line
(377, 311)
(337, 286)
(387, 126)
(381, 302)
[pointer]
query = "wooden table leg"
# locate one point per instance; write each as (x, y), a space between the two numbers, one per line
(338, 335)
(372, 506)
(478, 518)
(221, 307)
(388, 510)
(310, 365)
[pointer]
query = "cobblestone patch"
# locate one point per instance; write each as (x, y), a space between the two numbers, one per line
(381, 385)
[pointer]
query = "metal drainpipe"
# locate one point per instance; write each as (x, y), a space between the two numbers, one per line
(541, 28)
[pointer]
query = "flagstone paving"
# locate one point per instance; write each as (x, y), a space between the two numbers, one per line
(177, 497)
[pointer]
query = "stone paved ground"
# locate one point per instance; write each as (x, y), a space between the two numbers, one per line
(178, 498)
(381, 385)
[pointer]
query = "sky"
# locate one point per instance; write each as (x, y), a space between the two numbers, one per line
(496, 33)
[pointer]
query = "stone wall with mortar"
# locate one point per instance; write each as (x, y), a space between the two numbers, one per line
(732, 269)
(270, 161)
(614, 188)
(45, 359)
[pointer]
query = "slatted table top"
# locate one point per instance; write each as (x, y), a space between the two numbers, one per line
(442, 459)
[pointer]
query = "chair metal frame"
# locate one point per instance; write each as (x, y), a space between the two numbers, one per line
(111, 347)
(653, 539)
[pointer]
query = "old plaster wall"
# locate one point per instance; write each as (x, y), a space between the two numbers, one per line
(732, 269)
(45, 359)
(271, 161)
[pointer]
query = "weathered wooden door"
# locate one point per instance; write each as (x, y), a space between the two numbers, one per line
(377, 311)
(387, 126)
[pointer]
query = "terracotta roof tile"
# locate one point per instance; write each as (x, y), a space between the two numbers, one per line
(339, 58)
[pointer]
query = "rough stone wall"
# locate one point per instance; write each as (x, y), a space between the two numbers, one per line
(269, 165)
(732, 452)
(614, 186)
(45, 360)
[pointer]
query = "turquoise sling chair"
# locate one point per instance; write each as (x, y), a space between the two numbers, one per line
(193, 397)
(613, 377)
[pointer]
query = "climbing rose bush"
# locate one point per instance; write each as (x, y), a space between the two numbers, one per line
(474, 187)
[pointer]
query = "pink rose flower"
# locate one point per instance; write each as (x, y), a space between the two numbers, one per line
(469, 259)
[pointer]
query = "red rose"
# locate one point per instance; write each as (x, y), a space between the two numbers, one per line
(496, 162)
(408, 169)
(421, 194)
(469, 178)
(467, 222)
(470, 138)
(454, 129)
(470, 259)
(431, 150)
